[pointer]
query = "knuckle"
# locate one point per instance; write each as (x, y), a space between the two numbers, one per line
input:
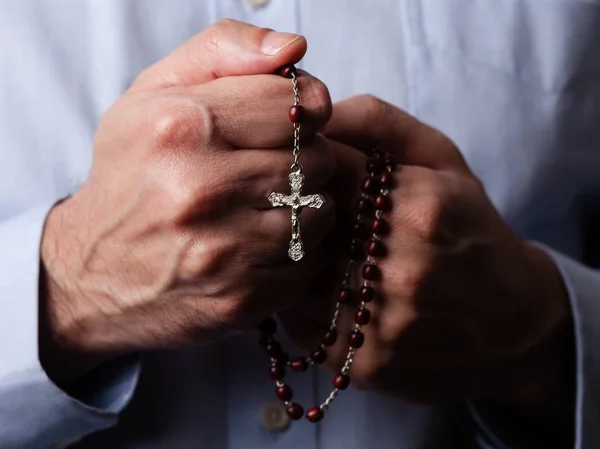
(426, 217)
(318, 99)
(375, 107)
(180, 123)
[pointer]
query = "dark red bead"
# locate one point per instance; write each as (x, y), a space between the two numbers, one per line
(370, 185)
(357, 251)
(362, 316)
(284, 392)
(364, 206)
(357, 339)
(390, 161)
(276, 371)
(295, 411)
(386, 179)
(371, 272)
(268, 326)
(366, 294)
(376, 152)
(296, 113)
(318, 356)
(287, 70)
(360, 231)
(274, 349)
(374, 165)
(341, 381)
(314, 414)
(346, 295)
(299, 365)
(375, 248)
(284, 357)
(330, 337)
(382, 202)
(379, 226)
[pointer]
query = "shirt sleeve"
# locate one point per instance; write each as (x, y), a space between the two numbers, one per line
(34, 412)
(583, 287)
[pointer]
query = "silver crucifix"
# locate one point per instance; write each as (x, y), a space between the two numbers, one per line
(297, 202)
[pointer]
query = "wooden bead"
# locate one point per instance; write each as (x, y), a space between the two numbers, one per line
(268, 326)
(362, 316)
(296, 113)
(314, 414)
(346, 295)
(386, 179)
(370, 185)
(390, 161)
(382, 202)
(365, 206)
(330, 337)
(318, 356)
(366, 294)
(341, 381)
(287, 71)
(375, 248)
(357, 339)
(284, 392)
(295, 411)
(374, 165)
(277, 371)
(299, 365)
(360, 231)
(379, 226)
(371, 272)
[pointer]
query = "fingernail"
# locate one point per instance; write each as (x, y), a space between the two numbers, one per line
(274, 42)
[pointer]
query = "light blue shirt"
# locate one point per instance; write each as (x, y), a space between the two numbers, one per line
(516, 83)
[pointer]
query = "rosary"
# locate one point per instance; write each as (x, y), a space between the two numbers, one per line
(370, 225)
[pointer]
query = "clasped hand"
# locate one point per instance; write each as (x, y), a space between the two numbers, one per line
(171, 240)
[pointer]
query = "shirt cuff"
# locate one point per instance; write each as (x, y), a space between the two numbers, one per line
(34, 412)
(583, 287)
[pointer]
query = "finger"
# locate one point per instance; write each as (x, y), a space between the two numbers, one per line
(252, 112)
(367, 122)
(227, 48)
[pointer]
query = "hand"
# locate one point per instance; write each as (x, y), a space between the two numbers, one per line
(171, 239)
(466, 309)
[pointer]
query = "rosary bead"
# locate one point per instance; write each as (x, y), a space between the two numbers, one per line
(371, 272)
(314, 414)
(375, 248)
(390, 161)
(295, 411)
(386, 179)
(345, 295)
(284, 392)
(376, 152)
(330, 337)
(299, 365)
(379, 226)
(318, 356)
(276, 371)
(365, 206)
(296, 113)
(382, 202)
(356, 340)
(341, 381)
(374, 165)
(362, 316)
(287, 71)
(268, 326)
(284, 357)
(274, 349)
(357, 251)
(366, 294)
(370, 185)
(360, 231)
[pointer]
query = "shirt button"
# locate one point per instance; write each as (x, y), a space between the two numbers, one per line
(256, 3)
(274, 417)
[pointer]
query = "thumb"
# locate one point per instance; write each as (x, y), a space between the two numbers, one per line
(227, 48)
